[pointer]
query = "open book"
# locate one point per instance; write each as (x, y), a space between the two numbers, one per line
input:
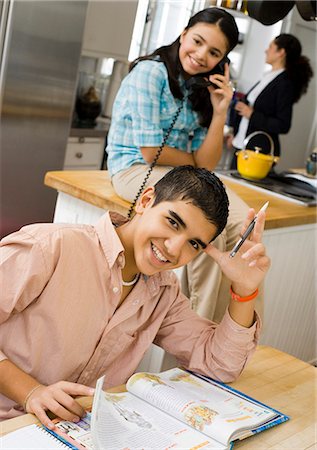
(174, 409)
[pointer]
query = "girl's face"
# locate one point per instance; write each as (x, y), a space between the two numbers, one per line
(201, 48)
(274, 54)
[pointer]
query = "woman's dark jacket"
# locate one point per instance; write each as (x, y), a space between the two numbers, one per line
(272, 112)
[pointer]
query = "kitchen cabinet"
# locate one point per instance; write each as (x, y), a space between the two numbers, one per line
(84, 153)
(108, 29)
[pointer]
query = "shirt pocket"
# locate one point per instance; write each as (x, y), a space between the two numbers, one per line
(168, 110)
(136, 345)
(128, 345)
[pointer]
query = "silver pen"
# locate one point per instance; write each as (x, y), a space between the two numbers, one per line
(247, 233)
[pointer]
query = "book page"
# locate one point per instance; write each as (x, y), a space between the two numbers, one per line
(206, 407)
(125, 422)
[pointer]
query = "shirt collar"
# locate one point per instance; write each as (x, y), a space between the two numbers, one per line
(108, 238)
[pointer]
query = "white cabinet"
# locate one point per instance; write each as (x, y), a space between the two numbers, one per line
(84, 153)
(108, 28)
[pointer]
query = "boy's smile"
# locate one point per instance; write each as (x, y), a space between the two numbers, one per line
(165, 236)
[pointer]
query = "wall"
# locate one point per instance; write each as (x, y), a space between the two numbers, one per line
(253, 62)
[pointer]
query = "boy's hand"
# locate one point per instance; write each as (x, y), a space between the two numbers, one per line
(57, 398)
(248, 267)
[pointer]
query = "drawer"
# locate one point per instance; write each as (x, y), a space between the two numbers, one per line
(84, 152)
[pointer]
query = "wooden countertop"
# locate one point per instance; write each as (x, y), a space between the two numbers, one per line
(95, 188)
(272, 377)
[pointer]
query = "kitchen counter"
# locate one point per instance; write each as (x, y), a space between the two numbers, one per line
(289, 237)
(95, 188)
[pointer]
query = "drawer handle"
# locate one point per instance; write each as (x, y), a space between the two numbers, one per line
(81, 139)
(78, 155)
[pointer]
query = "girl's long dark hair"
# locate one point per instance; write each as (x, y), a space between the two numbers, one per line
(297, 65)
(169, 55)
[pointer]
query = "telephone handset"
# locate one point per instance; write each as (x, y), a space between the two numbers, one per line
(199, 81)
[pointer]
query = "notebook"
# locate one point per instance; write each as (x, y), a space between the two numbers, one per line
(33, 437)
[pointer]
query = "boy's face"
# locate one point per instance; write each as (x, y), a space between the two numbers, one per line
(168, 235)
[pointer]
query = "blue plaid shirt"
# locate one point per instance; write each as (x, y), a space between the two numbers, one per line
(142, 113)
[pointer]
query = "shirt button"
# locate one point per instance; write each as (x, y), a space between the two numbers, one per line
(115, 290)
(135, 302)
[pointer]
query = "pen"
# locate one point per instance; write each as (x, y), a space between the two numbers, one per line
(247, 233)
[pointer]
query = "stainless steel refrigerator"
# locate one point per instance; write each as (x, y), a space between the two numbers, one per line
(40, 46)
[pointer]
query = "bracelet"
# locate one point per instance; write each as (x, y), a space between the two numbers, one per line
(238, 298)
(29, 395)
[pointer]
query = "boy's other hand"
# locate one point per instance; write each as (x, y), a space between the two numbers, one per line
(248, 267)
(57, 398)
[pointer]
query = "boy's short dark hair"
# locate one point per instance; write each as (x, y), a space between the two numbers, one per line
(202, 187)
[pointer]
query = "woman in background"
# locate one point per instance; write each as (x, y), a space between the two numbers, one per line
(268, 106)
(143, 112)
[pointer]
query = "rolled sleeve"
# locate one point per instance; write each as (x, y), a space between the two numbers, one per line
(198, 138)
(230, 349)
(220, 351)
(148, 137)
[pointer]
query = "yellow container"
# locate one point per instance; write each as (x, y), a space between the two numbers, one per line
(251, 163)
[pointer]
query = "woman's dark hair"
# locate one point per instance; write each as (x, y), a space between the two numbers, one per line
(201, 187)
(169, 55)
(297, 66)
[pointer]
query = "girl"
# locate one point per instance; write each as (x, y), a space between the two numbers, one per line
(152, 104)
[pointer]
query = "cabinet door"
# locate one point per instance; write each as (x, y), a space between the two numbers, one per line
(108, 28)
(84, 153)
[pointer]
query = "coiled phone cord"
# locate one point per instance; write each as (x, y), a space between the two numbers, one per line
(159, 151)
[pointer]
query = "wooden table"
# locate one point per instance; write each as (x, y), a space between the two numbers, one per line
(272, 377)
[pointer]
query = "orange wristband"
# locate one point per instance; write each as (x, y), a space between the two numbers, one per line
(237, 297)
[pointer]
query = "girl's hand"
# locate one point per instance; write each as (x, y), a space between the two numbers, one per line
(221, 96)
(57, 398)
(244, 110)
(248, 267)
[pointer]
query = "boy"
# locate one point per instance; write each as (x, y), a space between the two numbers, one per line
(80, 301)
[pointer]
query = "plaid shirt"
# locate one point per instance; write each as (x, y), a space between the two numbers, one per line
(142, 113)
